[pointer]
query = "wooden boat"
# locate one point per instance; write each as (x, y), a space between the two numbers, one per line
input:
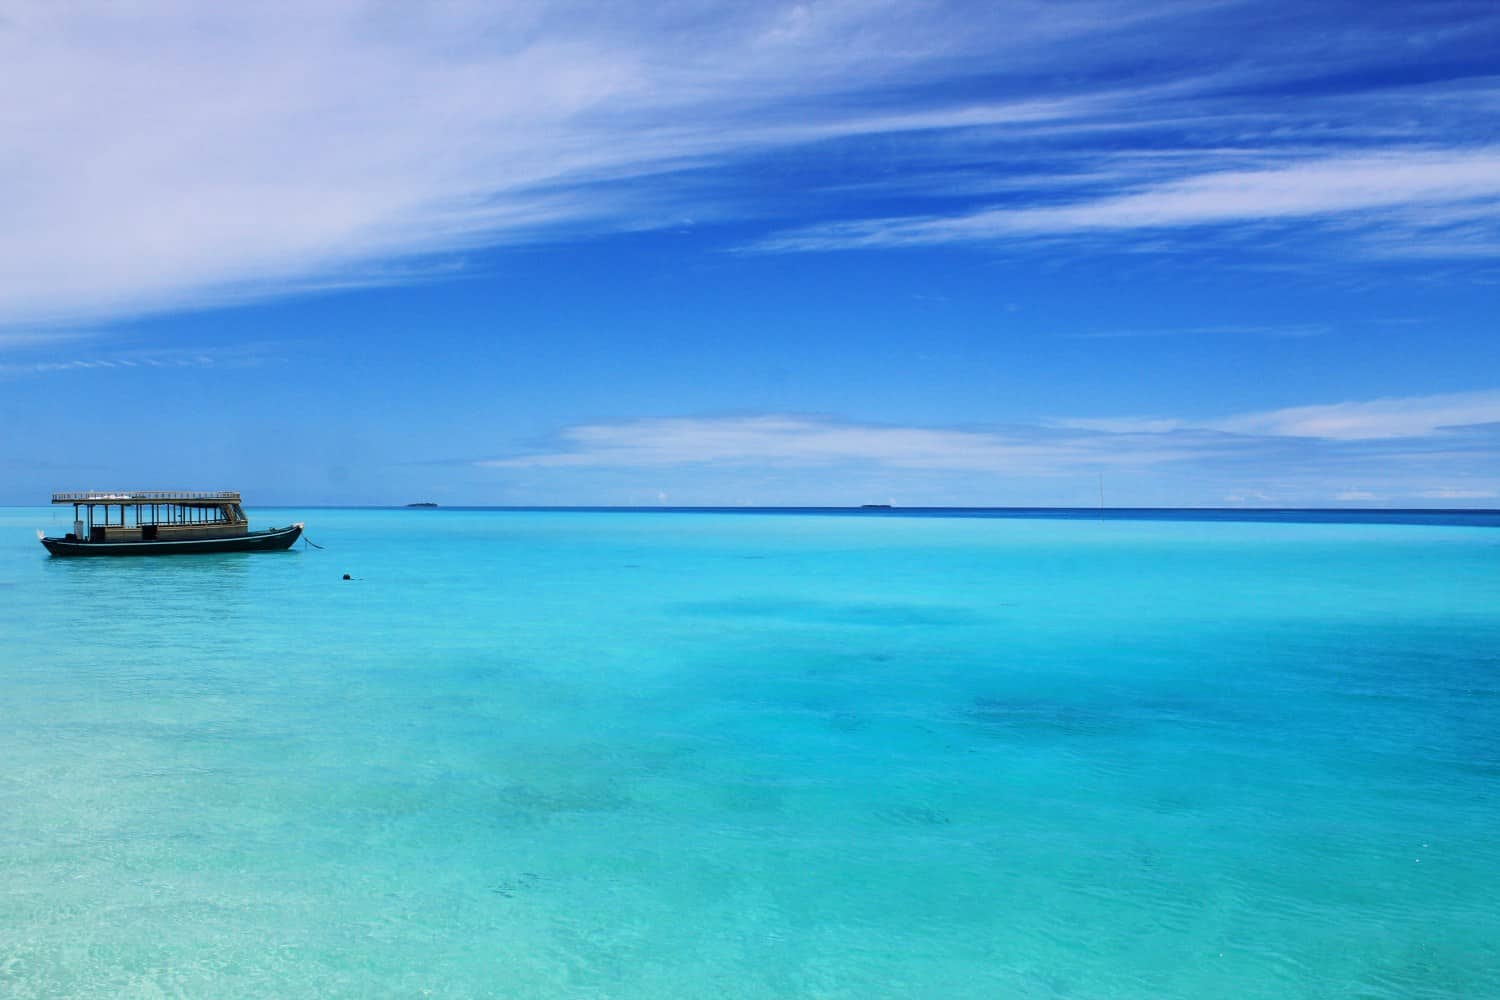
(160, 523)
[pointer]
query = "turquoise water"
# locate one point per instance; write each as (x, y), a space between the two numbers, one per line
(597, 755)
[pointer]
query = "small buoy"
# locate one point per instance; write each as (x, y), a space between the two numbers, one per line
(348, 577)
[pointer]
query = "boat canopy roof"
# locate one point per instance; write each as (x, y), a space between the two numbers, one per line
(191, 497)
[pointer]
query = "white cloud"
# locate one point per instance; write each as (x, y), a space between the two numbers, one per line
(243, 355)
(1395, 417)
(792, 440)
(1463, 183)
(17, 340)
(1458, 494)
(166, 153)
(1296, 456)
(170, 153)
(1368, 420)
(1296, 330)
(1120, 425)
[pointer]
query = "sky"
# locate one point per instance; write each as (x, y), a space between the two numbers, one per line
(1190, 252)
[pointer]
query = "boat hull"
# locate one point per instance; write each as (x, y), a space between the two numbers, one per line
(271, 540)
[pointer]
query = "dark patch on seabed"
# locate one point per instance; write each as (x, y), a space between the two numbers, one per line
(534, 801)
(1003, 716)
(520, 882)
(1010, 716)
(835, 612)
(1107, 710)
(848, 722)
(909, 815)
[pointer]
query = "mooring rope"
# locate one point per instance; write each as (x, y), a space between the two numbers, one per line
(309, 541)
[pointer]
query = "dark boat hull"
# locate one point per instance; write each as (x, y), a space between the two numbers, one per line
(272, 540)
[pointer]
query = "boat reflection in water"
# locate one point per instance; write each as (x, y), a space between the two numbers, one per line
(160, 523)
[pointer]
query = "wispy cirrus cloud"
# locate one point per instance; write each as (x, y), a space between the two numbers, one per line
(22, 339)
(780, 439)
(1420, 448)
(1451, 493)
(1396, 417)
(1365, 420)
(1292, 330)
(142, 359)
(1362, 188)
(166, 154)
(171, 154)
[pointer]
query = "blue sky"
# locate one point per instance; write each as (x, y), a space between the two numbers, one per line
(1215, 253)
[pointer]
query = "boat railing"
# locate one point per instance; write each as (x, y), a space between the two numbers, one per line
(145, 496)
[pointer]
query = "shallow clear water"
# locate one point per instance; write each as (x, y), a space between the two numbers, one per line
(698, 755)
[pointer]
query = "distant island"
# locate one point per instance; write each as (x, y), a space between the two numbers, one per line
(424, 503)
(874, 506)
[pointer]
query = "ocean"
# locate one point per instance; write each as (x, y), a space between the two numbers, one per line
(689, 754)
